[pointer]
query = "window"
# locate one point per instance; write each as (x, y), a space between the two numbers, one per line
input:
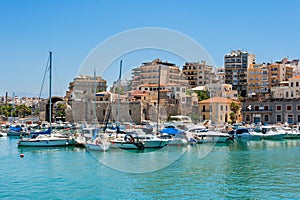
(256, 108)
(278, 108)
(298, 118)
(289, 107)
(203, 108)
(278, 118)
(266, 107)
(103, 112)
(266, 118)
(286, 94)
(297, 84)
(298, 107)
(129, 112)
(290, 119)
(248, 118)
(221, 108)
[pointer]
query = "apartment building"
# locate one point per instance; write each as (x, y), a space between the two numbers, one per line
(236, 64)
(258, 79)
(198, 73)
(287, 89)
(281, 71)
(156, 72)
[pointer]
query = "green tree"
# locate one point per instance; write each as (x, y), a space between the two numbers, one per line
(61, 110)
(22, 110)
(234, 107)
(202, 95)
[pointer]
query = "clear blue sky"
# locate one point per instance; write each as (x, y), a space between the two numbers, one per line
(71, 29)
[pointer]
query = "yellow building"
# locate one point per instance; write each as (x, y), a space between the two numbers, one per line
(258, 79)
(217, 109)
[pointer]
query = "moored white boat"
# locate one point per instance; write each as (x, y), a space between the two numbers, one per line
(138, 142)
(291, 133)
(98, 142)
(271, 133)
(245, 134)
(45, 141)
(122, 143)
(201, 134)
(97, 145)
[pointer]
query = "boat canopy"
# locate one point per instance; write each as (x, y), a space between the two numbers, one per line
(44, 132)
(15, 128)
(171, 131)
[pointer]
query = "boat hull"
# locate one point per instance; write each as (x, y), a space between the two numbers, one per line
(45, 142)
(97, 147)
(16, 133)
(127, 145)
(273, 136)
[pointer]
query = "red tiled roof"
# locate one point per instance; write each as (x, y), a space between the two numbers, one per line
(295, 77)
(217, 100)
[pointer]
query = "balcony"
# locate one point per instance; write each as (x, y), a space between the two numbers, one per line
(256, 111)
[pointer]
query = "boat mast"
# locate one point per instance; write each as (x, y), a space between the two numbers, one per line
(50, 86)
(119, 88)
(158, 98)
(95, 91)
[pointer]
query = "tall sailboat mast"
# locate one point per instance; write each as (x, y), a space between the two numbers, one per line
(158, 98)
(119, 90)
(50, 89)
(95, 106)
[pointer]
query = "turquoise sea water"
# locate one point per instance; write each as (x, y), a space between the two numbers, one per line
(253, 170)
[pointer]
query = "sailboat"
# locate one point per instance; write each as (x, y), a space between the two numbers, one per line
(136, 140)
(46, 138)
(99, 141)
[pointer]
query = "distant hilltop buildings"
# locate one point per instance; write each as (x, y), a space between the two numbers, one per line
(182, 90)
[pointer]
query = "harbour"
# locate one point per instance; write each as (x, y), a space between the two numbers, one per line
(151, 101)
(238, 170)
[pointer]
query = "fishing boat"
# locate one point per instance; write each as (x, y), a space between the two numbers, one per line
(46, 138)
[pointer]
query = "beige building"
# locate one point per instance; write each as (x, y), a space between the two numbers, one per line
(198, 73)
(83, 86)
(258, 79)
(280, 71)
(156, 72)
(81, 96)
(221, 90)
(216, 109)
(287, 89)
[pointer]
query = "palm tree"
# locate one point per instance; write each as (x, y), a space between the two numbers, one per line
(23, 110)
